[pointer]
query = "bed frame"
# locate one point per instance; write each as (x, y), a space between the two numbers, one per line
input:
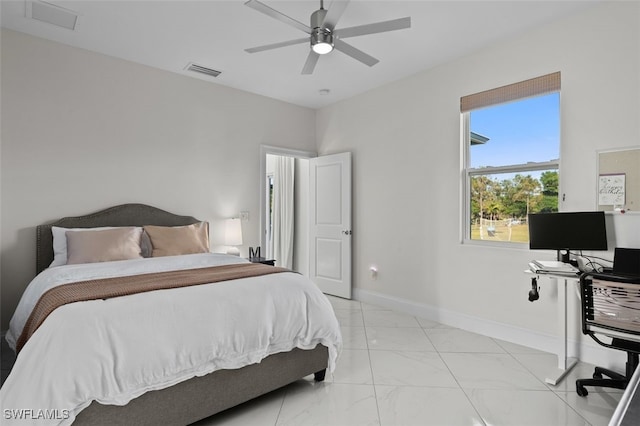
(199, 397)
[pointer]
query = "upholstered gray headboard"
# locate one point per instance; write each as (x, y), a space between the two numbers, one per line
(122, 215)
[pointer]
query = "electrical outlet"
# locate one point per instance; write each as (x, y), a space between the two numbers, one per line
(374, 272)
(244, 216)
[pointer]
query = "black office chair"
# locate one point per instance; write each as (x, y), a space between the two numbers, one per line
(611, 307)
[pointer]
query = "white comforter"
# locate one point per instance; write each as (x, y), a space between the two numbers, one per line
(114, 350)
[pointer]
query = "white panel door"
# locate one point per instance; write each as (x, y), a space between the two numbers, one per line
(330, 223)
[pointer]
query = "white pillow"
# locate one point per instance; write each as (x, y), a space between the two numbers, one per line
(60, 242)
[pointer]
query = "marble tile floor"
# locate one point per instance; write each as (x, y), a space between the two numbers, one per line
(396, 369)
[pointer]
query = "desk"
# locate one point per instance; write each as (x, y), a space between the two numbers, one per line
(565, 364)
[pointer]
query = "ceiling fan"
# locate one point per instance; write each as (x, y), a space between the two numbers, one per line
(323, 35)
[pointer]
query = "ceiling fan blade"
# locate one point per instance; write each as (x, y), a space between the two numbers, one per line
(263, 8)
(356, 54)
(277, 45)
(334, 13)
(311, 62)
(378, 27)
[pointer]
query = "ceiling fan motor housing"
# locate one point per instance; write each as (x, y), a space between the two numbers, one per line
(317, 18)
(319, 34)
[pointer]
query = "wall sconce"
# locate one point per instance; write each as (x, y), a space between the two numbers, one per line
(233, 235)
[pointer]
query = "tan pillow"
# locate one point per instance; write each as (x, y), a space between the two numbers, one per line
(177, 240)
(103, 246)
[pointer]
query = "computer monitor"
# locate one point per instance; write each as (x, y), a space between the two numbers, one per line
(626, 261)
(567, 231)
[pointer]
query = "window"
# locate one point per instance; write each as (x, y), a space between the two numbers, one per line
(511, 140)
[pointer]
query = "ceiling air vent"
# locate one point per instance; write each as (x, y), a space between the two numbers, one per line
(51, 14)
(202, 70)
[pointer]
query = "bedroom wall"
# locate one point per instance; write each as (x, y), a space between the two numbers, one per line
(83, 131)
(405, 139)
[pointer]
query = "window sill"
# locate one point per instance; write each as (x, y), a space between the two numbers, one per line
(496, 244)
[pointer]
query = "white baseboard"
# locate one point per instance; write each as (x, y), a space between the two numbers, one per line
(590, 353)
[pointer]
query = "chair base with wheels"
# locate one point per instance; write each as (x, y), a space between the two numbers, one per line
(614, 380)
(611, 308)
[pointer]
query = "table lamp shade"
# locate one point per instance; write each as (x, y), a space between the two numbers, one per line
(233, 232)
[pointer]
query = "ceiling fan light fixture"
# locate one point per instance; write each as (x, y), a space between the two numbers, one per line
(321, 41)
(322, 48)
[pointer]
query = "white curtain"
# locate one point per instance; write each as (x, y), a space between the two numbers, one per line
(283, 220)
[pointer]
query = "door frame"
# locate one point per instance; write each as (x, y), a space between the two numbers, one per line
(273, 150)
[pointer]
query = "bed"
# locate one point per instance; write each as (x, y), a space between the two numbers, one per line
(171, 386)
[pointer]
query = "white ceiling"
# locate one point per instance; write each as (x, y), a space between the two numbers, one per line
(214, 33)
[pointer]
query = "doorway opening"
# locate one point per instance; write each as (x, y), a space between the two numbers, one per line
(284, 207)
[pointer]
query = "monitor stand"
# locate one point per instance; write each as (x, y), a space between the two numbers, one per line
(563, 256)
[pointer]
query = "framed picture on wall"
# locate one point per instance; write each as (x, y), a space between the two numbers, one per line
(611, 189)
